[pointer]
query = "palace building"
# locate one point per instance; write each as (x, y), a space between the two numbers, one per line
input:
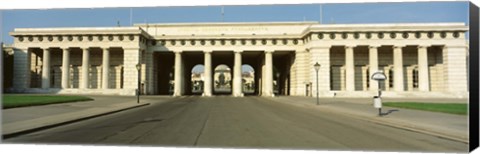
(419, 60)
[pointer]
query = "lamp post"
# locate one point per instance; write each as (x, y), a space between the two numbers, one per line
(138, 83)
(317, 67)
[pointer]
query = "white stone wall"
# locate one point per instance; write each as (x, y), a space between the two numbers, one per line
(447, 68)
(131, 58)
(455, 68)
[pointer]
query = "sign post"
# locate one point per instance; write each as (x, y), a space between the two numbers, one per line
(377, 100)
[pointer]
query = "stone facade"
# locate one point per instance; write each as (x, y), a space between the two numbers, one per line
(424, 60)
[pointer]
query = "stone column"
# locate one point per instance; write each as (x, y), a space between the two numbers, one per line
(207, 83)
(149, 64)
(237, 74)
(105, 67)
(423, 77)
(268, 91)
(46, 68)
(21, 68)
(85, 68)
(398, 68)
(349, 69)
(65, 68)
(373, 63)
(177, 91)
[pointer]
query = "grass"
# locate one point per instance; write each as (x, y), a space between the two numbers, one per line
(452, 108)
(12, 101)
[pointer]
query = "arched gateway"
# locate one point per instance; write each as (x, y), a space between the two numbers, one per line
(418, 59)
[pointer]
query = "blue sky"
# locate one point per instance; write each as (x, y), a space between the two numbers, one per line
(407, 12)
(345, 13)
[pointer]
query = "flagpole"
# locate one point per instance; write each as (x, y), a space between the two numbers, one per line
(131, 12)
(223, 13)
(321, 14)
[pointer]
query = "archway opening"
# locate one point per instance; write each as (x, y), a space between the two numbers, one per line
(222, 79)
(248, 80)
(197, 79)
(276, 81)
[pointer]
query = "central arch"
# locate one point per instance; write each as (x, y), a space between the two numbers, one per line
(248, 79)
(222, 80)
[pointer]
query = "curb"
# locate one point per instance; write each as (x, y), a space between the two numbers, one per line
(29, 129)
(400, 125)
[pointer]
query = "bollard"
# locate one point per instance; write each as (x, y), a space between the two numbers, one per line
(377, 103)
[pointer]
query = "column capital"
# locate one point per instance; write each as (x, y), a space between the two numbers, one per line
(105, 48)
(349, 46)
(374, 46)
(207, 51)
(177, 51)
(398, 46)
(237, 51)
(423, 46)
(66, 48)
(269, 51)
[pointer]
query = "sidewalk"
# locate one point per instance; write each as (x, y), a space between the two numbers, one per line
(443, 125)
(27, 119)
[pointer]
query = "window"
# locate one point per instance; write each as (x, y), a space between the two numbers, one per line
(356, 35)
(393, 35)
(368, 35)
(405, 35)
(380, 35)
(430, 34)
(332, 35)
(320, 36)
(415, 78)
(344, 35)
(417, 35)
(390, 78)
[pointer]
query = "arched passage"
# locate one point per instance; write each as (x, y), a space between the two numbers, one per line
(222, 79)
(197, 79)
(248, 80)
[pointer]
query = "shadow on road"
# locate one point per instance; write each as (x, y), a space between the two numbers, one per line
(389, 112)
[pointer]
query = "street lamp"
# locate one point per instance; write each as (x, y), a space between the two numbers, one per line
(317, 67)
(138, 66)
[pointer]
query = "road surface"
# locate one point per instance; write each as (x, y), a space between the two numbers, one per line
(247, 122)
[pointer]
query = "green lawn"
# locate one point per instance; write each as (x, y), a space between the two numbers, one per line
(452, 108)
(12, 101)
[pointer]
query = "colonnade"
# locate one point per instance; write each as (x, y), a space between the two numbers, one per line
(46, 65)
(398, 77)
(267, 90)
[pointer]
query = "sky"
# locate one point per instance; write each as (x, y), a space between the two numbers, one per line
(344, 13)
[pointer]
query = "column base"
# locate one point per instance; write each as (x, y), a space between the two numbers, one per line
(206, 95)
(268, 95)
(238, 95)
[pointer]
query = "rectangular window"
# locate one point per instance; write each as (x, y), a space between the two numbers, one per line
(390, 78)
(415, 78)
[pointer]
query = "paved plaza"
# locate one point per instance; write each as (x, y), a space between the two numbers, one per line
(250, 122)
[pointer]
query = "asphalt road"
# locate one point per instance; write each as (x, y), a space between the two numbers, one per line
(248, 122)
